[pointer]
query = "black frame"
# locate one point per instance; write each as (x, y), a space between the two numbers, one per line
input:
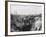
(6, 18)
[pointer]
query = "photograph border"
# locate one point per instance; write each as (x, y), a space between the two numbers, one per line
(6, 18)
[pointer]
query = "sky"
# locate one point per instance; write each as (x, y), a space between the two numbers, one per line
(25, 9)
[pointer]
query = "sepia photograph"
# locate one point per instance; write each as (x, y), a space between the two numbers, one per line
(25, 18)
